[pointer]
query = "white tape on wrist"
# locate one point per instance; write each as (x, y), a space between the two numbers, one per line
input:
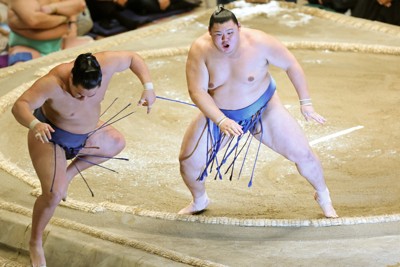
(148, 86)
(306, 102)
(33, 123)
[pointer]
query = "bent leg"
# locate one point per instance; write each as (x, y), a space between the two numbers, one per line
(18, 54)
(192, 159)
(47, 166)
(284, 135)
(103, 145)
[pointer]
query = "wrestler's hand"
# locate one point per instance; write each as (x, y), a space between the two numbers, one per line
(309, 113)
(147, 99)
(43, 132)
(231, 127)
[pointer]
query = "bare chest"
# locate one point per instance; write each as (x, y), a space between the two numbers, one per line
(74, 115)
(76, 109)
(244, 71)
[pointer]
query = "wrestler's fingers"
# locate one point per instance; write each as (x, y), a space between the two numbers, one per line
(306, 116)
(39, 137)
(141, 102)
(148, 109)
(234, 131)
(47, 135)
(45, 139)
(240, 130)
(315, 116)
(320, 119)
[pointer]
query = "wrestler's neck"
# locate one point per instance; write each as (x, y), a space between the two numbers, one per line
(66, 85)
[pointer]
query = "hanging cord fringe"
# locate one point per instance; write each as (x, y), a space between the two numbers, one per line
(215, 145)
(76, 167)
(81, 155)
(109, 122)
(55, 167)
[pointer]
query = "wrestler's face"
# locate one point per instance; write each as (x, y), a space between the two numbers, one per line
(81, 93)
(225, 36)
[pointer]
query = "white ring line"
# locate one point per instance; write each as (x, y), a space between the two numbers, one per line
(325, 138)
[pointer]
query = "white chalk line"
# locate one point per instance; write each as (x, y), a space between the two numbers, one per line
(334, 135)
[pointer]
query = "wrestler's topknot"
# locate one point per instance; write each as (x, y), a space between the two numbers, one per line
(221, 15)
(86, 71)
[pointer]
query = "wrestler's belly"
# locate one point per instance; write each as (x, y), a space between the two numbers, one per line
(237, 98)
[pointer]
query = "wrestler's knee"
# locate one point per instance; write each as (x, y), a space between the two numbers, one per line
(183, 166)
(189, 166)
(185, 160)
(118, 143)
(305, 155)
(53, 198)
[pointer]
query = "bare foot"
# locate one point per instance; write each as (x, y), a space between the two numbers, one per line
(324, 201)
(196, 206)
(37, 255)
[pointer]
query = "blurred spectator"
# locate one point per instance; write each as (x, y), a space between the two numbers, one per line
(341, 6)
(84, 22)
(40, 28)
(387, 11)
(114, 16)
(3, 33)
(3, 11)
(144, 7)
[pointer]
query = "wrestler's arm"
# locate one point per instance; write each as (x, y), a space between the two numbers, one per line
(197, 80)
(117, 61)
(65, 7)
(33, 98)
(278, 55)
(42, 35)
(26, 15)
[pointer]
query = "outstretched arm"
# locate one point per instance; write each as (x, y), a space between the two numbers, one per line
(116, 61)
(281, 57)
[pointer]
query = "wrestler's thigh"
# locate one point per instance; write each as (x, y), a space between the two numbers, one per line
(106, 141)
(49, 161)
(20, 49)
(194, 143)
(282, 133)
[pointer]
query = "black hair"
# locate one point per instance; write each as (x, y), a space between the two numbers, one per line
(222, 15)
(86, 71)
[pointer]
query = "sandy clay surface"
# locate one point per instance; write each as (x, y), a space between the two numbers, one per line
(354, 83)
